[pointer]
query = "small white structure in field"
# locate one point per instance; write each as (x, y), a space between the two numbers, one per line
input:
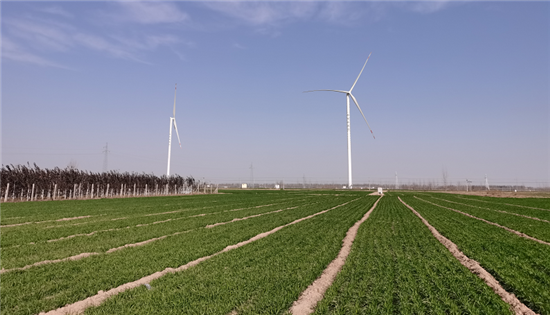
(380, 192)
(277, 186)
(244, 186)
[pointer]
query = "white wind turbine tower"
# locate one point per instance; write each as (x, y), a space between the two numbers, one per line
(348, 95)
(172, 121)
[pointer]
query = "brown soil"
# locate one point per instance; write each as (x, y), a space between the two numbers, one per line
(489, 222)
(96, 300)
(475, 267)
(314, 293)
(76, 257)
(245, 218)
(58, 220)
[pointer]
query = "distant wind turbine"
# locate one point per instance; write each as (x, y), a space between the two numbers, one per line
(348, 95)
(172, 121)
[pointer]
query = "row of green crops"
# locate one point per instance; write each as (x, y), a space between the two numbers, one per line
(396, 266)
(518, 202)
(32, 245)
(491, 203)
(51, 286)
(522, 266)
(264, 277)
(13, 213)
(535, 228)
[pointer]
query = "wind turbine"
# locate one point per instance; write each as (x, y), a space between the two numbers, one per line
(172, 121)
(348, 95)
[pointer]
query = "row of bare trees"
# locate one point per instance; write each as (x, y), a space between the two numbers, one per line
(27, 183)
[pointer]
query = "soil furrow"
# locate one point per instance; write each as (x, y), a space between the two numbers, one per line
(517, 306)
(315, 292)
(145, 242)
(245, 218)
(58, 220)
(489, 222)
(502, 203)
(76, 257)
(80, 306)
(147, 224)
(126, 245)
(516, 214)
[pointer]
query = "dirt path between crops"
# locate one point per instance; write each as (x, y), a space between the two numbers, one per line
(516, 305)
(315, 292)
(489, 222)
(246, 218)
(80, 306)
(156, 222)
(58, 220)
(517, 214)
(84, 255)
(76, 257)
(502, 203)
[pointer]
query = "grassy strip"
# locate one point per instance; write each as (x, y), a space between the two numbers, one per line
(396, 266)
(13, 257)
(533, 228)
(133, 215)
(121, 233)
(520, 265)
(541, 214)
(264, 277)
(539, 203)
(13, 213)
(52, 286)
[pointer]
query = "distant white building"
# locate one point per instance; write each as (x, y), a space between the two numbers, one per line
(244, 186)
(277, 186)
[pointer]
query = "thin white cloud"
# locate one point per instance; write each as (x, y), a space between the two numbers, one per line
(274, 14)
(152, 12)
(238, 46)
(262, 13)
(427, 7)
(100, 44)
(33, 36)
(56, 10)
(40, 34)
(12, 51)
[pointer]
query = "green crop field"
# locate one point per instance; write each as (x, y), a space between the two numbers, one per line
(255, 252)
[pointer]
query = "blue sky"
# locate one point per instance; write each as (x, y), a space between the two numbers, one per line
(458, 86)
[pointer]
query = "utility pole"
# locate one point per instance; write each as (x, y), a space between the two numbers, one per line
(105, 158)
(252, 174)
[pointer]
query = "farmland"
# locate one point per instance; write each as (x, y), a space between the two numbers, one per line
(255, 252)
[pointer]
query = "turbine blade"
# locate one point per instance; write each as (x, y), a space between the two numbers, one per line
(176, 126)
(360, 74)
(339, 91)
(175, 92)
(355, 101)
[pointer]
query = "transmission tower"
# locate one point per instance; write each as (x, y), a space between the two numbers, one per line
(487, 182)
(396, 181)
(106, 157)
